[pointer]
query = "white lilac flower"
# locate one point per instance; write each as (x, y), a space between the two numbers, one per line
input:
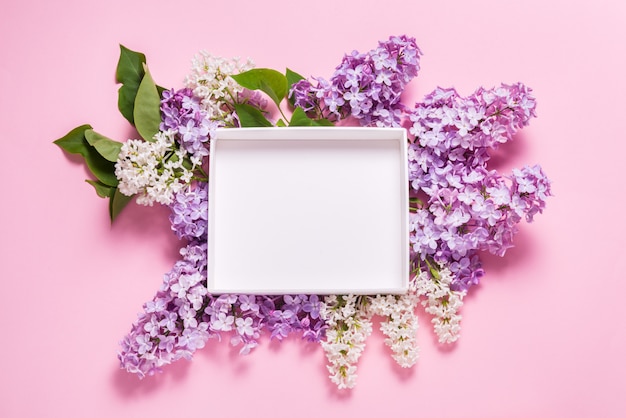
(154, 171)
(399, 326)
(211, 82)
(349, 325)
(441, 302)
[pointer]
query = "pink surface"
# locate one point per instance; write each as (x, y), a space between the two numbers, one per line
(543, 335)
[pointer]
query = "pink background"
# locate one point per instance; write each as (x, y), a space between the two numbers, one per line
(543, 335)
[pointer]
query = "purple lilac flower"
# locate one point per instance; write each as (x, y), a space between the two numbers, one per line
(530, 189)
(294, 313)
(304, 96)
(171, 326)
(181, 112)
(184, 315)
(190, 212)
(366, 86)
(465, 207)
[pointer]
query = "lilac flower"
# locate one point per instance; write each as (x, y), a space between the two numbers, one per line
(245, 326)
(468, 208)
(182, 113)
(366, 86)
(303, 94)
(531, 188)
(294, 313)
(312, 306)
(248, 303)
(189, 217)
(170, 328)
(222, 322)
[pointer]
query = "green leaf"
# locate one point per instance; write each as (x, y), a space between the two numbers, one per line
(129, 73)
(322, 122)
(102, 189)
(147, 112)
(117, 202)
(269, 81)
(130, 66)
(281, 123)
(74, 141)
(299, 118)
(100, 167)
(292, 78)
(126, 102)
(250, 116)
(106, 147)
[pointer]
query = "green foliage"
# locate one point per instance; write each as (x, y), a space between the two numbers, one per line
(106, 147)
(322, 122)
(299, 118)
(139, 101)
(250, 116)
(129, 72)
(276, 86)
(147, 110)
(75, 142)
(271, 82)
(117, 202)
(99, 154)
(101, 189)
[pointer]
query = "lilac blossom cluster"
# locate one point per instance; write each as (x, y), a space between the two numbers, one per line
(184, 315)
(173, 324)
(181, 113)
(440, 301)
(190, 211)
(153, 171)
(349, 325)
(399, 325)
(366, 86)
(211, 82)
(248, 315)
(460, 206)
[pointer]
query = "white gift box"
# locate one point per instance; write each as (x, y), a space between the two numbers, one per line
(313, 210)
